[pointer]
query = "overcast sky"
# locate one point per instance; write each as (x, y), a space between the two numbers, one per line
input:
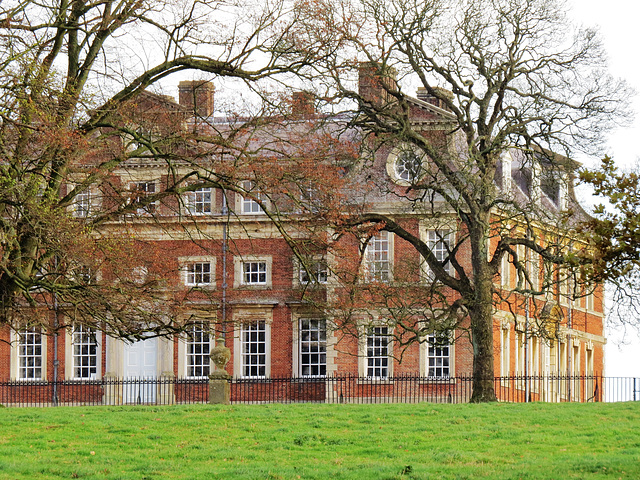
(618, 24)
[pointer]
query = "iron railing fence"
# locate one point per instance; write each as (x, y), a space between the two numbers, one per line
(168, 390)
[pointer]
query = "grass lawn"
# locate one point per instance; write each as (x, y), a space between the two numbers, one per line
(551, 441)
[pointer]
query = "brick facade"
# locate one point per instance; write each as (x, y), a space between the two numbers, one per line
(231, 303)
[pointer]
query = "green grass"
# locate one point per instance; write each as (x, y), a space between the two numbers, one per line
(550, 441)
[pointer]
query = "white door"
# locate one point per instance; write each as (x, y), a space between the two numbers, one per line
(140, 371)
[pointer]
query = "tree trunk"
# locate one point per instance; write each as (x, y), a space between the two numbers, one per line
(482, 340)
(481, 316)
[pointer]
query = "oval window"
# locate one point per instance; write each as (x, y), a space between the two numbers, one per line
(407, 166)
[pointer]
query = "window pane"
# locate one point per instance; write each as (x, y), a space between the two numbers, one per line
(198, 273)
(313, 347)
(198, 349)
(253, 349)
(378, 343)
(377, 257)
(30, 354)
(85, 352)
(201, 203)
(254, 273)
(438, 351)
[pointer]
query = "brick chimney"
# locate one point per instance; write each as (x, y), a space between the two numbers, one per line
(302, 104)
(372, 80)
(197, 97)
(425, 96)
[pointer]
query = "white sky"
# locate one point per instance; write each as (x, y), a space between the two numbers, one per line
(618, 24)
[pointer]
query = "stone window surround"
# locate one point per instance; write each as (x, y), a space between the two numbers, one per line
(69, 367)
(203, 317)
(184, 263)
(238, 271)
(243, 314)
(363, 358)
(15, 360)
(424, 361)
(392, 160)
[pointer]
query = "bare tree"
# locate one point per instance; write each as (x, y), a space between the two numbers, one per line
(74, 109)
(518, 88)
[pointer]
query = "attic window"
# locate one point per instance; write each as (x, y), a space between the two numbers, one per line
(408, 166)
(551, 187)
(404, 165)
(522, 178)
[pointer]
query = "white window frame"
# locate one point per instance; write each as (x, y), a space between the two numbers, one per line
(534, 363)
(392, 164)
(534, 270)
(308, 197)
(505, 351)
(19, 355)
(378, 257)
(198, 273)
(197, 350)
(247, 205)
(254, 353)
(86, 201)
(377, 353)
(312, 342)
(520, 342)
(429, 352)
(534, 357)
(318, 268)
(142, 189)
(189, 275)
(563, 352)
(254, 273)
(85, 335)
(241, 263)
(575, 369)
(243, 316)
(82, 204)
(197, 202)
(589, 372)
(505, 271)
(442, 240)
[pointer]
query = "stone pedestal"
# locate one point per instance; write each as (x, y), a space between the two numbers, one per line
(219, 391)
(219, 388)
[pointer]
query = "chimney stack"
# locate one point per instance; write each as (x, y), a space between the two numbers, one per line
(374, 80)
(197, 97)
(302, 104)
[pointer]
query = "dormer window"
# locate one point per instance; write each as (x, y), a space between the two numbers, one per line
(554, 186)
(523, 179)
(551, 188)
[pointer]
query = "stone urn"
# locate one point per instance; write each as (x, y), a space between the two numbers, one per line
(220, 356)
